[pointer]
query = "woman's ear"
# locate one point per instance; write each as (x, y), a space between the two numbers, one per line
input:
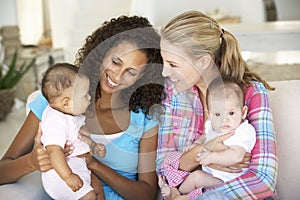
(244, 112)
(205, 61)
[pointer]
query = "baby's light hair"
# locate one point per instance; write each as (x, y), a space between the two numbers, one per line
(226, 85)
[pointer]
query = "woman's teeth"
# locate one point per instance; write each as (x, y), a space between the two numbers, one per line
(113, 84)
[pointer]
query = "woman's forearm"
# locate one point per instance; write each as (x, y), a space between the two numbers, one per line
(128, 189)
(12, 170)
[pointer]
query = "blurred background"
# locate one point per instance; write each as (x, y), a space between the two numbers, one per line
(66, 23)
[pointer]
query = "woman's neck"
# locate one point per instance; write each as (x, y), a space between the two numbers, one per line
(202, 89)
(204, 82)
(110, 102)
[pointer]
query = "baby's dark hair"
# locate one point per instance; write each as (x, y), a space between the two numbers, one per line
(57, 79)
(226, 85)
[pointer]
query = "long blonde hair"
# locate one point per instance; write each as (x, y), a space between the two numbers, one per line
(198, 34)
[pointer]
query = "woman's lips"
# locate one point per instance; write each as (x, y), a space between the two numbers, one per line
(110, 82)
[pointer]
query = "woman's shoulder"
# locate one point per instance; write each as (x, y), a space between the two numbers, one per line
(140, 119)
(38, 105)
(255, 87)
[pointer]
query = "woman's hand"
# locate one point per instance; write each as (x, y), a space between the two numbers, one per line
(39, 156)
(68, 149)
(89, 159)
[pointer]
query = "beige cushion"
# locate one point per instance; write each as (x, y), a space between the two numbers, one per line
(285, 104)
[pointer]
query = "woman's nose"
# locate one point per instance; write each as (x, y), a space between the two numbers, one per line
(166, 70)
(118, 74)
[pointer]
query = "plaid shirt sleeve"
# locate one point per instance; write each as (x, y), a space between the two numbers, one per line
(260, 181)
(179, 127)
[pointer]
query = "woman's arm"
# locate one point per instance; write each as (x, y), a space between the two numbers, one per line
(146, 185)
(25, 153)
(180, 125)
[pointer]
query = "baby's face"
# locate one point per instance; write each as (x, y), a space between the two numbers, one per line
(225, 114)
(80, 96)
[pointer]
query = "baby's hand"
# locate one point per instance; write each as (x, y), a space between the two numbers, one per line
(98, 149)
(204, 157)
(74, 182)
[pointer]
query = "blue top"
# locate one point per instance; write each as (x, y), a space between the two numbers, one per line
(121, 153)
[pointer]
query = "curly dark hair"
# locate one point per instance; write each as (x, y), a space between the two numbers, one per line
(135, 30)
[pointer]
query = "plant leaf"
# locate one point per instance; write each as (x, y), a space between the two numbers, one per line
(13, 76)
(11, 68)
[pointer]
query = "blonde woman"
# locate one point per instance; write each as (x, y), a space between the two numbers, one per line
(195, 51)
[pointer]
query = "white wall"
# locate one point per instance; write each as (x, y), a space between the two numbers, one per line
(8, 12)
(159, 12)
(288, 9)
(73, 20)
(30, 18)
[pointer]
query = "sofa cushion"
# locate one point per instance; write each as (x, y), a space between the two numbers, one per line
(285, 104)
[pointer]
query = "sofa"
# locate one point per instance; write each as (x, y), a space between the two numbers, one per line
(284, 102)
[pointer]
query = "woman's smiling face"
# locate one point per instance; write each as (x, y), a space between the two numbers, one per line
(123, 66)
(178, 67)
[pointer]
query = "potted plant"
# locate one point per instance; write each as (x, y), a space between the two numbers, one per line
(9, 77)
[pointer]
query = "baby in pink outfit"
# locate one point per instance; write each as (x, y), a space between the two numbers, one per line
(67, 92)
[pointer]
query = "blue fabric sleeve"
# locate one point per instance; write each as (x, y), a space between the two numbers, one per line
(38, 105)
(150, 123)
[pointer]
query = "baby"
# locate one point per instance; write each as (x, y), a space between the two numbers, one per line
(226, 114)
(67, 92)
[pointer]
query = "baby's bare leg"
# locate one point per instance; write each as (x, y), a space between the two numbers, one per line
(198, 179)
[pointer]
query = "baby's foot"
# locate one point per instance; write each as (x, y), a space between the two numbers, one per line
(164, 187)
(161, 181)
(165, 192)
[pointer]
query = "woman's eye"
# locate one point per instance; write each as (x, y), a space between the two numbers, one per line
(217, 114)
(231, 113)
(173, 65)
(132, 72)
(115, 62)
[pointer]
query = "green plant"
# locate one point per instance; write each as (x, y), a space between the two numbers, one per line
(13, 75)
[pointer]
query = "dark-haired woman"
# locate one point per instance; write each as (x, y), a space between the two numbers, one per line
(122, 59)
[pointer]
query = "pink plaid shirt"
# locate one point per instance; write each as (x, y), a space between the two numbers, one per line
(182, 123)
